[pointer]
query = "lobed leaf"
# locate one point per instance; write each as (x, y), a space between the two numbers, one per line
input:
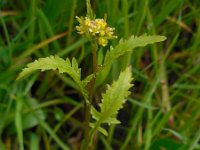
(113, 100)
(43, 64)
(128, 45)
(63, 66)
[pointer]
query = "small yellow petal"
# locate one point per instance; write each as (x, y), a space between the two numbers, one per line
(102, 41)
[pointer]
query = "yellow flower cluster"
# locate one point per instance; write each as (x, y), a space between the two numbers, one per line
(95, 29)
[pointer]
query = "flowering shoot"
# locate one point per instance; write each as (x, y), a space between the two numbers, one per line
(96, 29)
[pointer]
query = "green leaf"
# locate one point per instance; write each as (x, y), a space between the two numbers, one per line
(18, 122)
(63, 66)
(113, 100)
(123, 47)
(48, 63)
(128, 45)
(176, 134)
(102, 130)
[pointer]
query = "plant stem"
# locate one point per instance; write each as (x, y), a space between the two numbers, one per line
(86, 126)
(86, 141)
(88, 105)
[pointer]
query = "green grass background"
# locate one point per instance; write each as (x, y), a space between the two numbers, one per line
(44, 111)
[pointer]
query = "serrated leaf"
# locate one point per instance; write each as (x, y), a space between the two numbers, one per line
(43, 64)
(95, 113)
(112, 120)
(63, 66)
(113, 100)
(128, 45)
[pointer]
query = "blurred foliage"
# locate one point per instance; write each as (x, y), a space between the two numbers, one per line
(167, 75)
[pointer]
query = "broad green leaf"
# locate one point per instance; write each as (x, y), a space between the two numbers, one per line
(128, 45)
(63, 66)
(113, 100)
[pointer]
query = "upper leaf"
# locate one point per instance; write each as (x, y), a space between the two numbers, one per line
(57, 63)
(128, 45)
(113, 100)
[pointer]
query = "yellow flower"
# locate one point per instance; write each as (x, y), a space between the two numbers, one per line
(87, 22)
(96, 29)
(102, 41)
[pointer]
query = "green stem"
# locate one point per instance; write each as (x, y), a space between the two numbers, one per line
(86, 141)
(91, 134)
(88, 105)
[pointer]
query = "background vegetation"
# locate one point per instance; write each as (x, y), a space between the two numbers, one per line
(45, 112)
